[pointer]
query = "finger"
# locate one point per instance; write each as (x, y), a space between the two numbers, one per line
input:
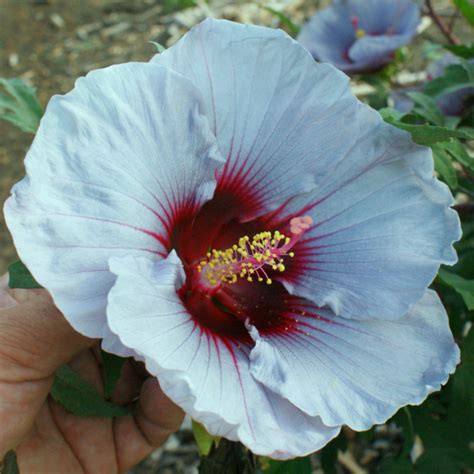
(156, 418)
(35, 340)
(6, 301)
(128, 385)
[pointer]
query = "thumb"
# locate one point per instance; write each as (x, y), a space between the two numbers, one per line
(35, 340)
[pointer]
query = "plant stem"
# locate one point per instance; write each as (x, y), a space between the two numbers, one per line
(441, 24)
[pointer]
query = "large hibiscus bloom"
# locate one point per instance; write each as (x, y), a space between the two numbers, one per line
(230, 214)
(360, 35)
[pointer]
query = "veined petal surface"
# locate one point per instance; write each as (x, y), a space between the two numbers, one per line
(204, 374)
(113, 164)
(272, 109)
(357, 373)
(382, 226)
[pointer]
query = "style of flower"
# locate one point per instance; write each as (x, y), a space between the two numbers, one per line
(233, 216)
(360, 36)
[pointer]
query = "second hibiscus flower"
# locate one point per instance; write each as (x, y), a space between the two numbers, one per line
(360, 36)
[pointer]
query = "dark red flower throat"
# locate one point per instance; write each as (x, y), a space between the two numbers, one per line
(232, 270)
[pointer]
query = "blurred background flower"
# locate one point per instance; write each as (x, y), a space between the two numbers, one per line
(360, 35)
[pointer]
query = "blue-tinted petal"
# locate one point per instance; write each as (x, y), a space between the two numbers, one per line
(272, 109)
(112, 164)
(387, 24)
(357, 373)
(382, 226)
(374, 51)
(206, 375)
(381, 17)
(328, 35)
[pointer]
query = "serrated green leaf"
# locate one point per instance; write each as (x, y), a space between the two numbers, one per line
(21, 106)
(80, 397)
(456, 149)
(463, 286)
(20, 277)
(427, 134)
(112, 365)
(203, 439)
(468, 132)
(465, 51)
(284, 19)
(454, 78)
(427, 108)
(466, 8)
(10, 464)
(444, 166)
(293, 466)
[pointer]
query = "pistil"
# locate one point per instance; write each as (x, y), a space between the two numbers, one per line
(251, 259)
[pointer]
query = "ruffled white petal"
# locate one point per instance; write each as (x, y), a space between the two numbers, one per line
(382, 226)
(114, 162)
(276, 114)
(206, 375)
(357, 373)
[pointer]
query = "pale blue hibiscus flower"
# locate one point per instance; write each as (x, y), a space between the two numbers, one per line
(233, 216)
(360, 35)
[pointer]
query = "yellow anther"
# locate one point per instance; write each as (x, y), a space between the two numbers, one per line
(360, 33)
(248, 258)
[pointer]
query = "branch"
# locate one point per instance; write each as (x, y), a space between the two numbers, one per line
(441, 24)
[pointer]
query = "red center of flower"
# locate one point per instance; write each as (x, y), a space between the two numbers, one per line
(232, 286)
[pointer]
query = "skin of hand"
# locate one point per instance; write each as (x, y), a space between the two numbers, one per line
(35, 340)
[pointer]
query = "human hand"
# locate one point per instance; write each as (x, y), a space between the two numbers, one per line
(35, 340)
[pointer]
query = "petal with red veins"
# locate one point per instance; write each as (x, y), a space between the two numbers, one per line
(382, 226)
(114, 164)
(277, 115)
(357, 373)
(206, 375)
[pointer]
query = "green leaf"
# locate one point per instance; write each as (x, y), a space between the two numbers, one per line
(447, 437)
(465, 51)
(390, 114)
(112, 365)
(454, 78)
(466, 8)
(444, 166)
(293, 466)
(10, 465)
(395, 465)
(229, 457)
(203, 439)
(80, 397)
(329, 454)
(284, 19)
(427, 134)
(426, 107)
(159, 47)
(463, 286)
(468, 132)
(456, 149)
(20, 277)
(20, 105)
